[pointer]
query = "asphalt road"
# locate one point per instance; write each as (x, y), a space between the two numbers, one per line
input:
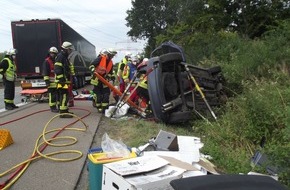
(44, 173)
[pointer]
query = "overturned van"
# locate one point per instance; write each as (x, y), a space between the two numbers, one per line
(177, 89)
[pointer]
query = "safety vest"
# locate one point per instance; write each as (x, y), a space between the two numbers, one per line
(124, 61)
(129, 71)
(103, 68)
(11, 70)
(143, 83)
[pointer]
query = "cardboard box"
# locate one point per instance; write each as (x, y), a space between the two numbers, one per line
(206, 166)
(147, 172)
(188, 147)
(166, 141)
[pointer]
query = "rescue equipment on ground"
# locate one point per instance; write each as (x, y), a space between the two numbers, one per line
(132, 104)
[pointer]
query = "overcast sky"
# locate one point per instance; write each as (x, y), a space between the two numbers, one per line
(102, 22)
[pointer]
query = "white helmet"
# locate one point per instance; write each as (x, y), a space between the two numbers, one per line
(112, 51)
(6, 52)
(135, 59)
(128, 54)
(104, 52)
(11, 51)
(53, 50)
(67, 45)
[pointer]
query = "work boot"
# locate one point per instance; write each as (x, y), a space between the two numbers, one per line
(94, 103)
(9, 107)
(54, 109)
(14, 106)
(100, 110)
(65, 115)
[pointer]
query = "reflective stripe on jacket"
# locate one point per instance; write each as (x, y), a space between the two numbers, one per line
(11, 70)
(48, 70)
(63, 68)
(143, 83)
(119, 71)
(129, 71)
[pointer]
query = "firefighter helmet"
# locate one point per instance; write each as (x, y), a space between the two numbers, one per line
(135, 59)
(53, 50)
(128, 54)
(112, 51)
(11, 51)
(67, 45)
(104, 52)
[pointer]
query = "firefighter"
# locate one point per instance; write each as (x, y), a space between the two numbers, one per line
(120, 71)
(129, 71)
(63, 70)
(103, 65)
(8, 72)
(49, 78)
(103, 52)
(142, 89)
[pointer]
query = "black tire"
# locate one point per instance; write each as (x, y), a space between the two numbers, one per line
(171, 57)
(156, 92)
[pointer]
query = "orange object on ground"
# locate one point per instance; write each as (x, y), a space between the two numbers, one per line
(5, 138)
(117, 91)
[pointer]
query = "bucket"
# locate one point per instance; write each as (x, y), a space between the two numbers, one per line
(96, 160)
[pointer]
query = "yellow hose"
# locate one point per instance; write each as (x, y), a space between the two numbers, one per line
(48, 142)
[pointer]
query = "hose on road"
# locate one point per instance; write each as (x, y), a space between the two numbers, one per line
(20, 168)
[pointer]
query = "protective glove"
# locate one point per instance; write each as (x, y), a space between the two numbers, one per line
(47, 82)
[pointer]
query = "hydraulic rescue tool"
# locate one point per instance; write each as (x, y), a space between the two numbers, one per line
(132, 104)
(121, 102)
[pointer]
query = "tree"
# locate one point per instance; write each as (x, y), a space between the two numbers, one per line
(158, 20)
(252, 18)
(148, 19)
